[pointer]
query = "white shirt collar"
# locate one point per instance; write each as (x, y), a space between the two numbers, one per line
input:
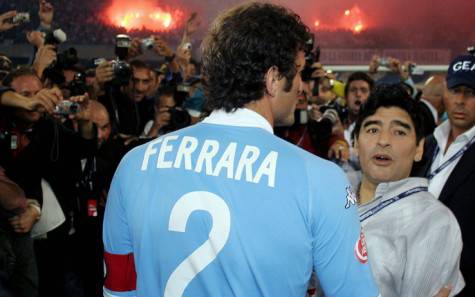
(242, 117)
(432, 110)
(441, 135)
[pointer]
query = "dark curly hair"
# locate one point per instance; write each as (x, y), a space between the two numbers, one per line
(358, 76)
(391, 96)
(242, 44)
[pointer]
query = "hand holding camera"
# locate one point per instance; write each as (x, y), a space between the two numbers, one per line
(104, 73)
(77, 107)
(162, 48)
(35, 38)
(46, 100)
(162, 117)
(135, 48)
(6, 20)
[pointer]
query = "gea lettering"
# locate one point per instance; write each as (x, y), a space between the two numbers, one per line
(464, 65)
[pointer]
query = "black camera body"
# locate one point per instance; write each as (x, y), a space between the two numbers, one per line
(122, 72)
(179, 118)
(341, 110)
(64, 60)
(77, 86)
(312, 55)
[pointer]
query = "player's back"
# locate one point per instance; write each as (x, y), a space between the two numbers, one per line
(215, 210)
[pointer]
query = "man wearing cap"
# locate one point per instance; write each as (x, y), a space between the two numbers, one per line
(449, 159)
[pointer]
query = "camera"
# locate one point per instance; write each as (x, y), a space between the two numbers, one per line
(338, 107)
(67, 107)
(147, 44)
(122, 72)
(312, 55)
(187, 46)
(384, 62)
(415, 70)
(179, 118)
(64, 60)
(55, 37)
(67, 58)
(77, 86)
(99, 61)
(21, 18)
(122, 45)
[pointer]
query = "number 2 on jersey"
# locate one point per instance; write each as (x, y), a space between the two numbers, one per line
(208, 251)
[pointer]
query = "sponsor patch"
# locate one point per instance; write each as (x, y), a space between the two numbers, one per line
(360, 249)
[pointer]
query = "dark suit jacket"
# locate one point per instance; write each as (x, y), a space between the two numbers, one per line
(458, 194)
(428, 122)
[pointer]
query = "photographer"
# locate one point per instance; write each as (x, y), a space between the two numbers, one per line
(126, 100)
(36, 150)
(169, 115)
(316, 127)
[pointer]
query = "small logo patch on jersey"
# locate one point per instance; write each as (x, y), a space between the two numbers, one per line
(350, 198)
(360, 249)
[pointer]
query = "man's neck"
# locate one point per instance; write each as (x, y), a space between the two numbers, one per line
(366, 191)
(262, 107)
(453, 134)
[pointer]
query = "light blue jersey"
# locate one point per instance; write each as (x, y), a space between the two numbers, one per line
(225, 208)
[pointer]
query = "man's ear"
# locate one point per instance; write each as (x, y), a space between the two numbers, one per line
(419, 150)
(271, 79)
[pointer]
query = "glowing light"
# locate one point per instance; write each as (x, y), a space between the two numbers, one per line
(317, 23)
(358, 28)
(142, 14)
(354, 20)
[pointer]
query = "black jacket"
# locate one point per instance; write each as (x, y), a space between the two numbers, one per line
(458, 194)
(53, 153)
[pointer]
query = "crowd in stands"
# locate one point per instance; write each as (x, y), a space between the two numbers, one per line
(86, 26)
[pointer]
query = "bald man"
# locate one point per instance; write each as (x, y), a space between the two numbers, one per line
(100, 117)
(433, 93)
(431, 103)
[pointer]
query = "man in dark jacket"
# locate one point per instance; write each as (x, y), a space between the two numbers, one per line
(449, 159)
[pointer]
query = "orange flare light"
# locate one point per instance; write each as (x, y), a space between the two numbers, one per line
(142, 14)
(354, 20)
